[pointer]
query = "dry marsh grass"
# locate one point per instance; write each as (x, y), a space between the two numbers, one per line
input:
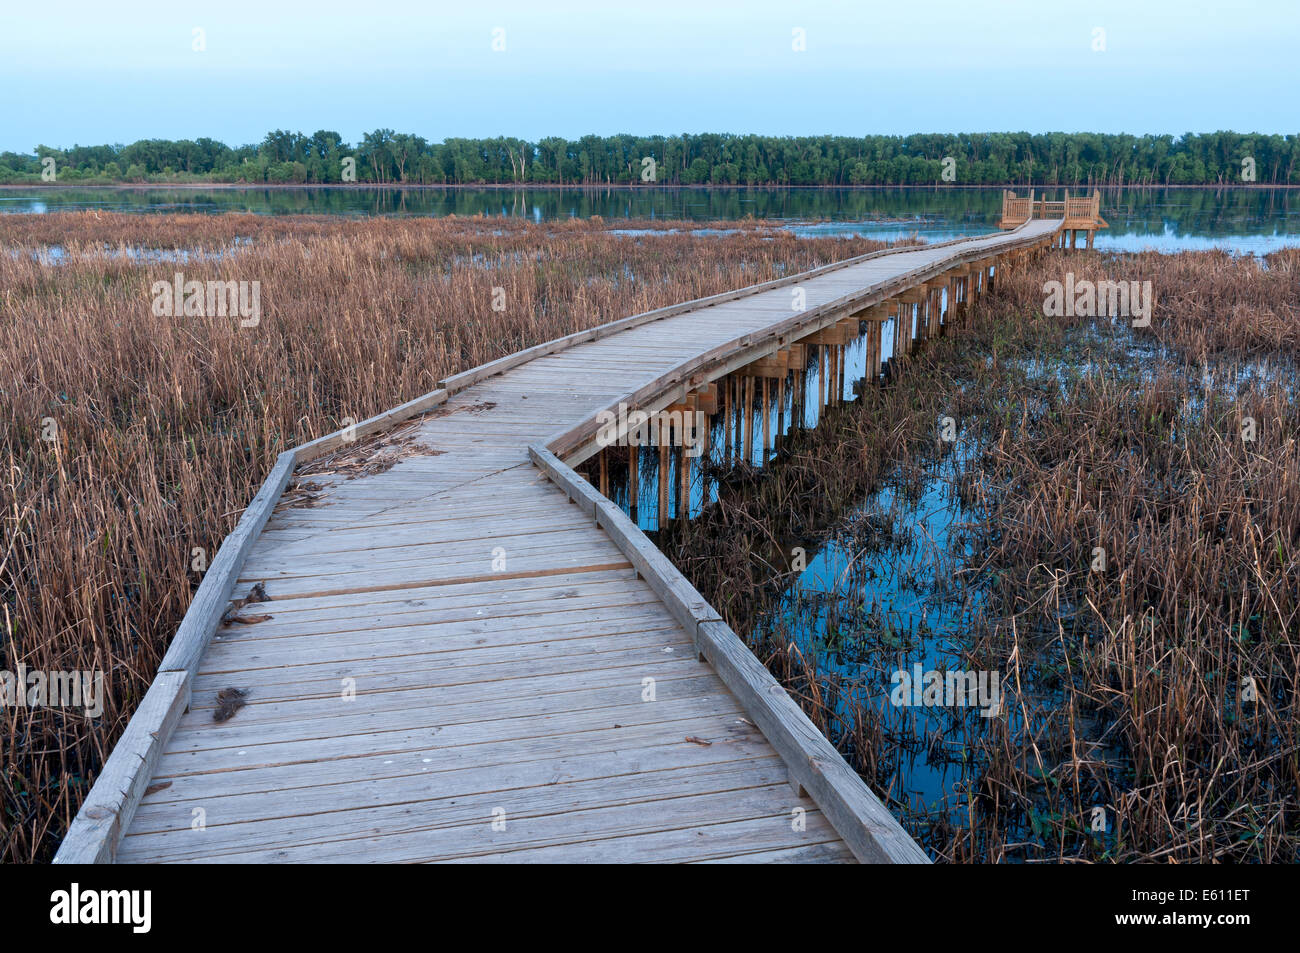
(1127, 684)
(161, 429)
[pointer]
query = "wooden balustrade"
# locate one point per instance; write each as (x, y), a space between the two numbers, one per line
(1077, 214)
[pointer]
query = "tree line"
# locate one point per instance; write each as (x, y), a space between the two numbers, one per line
(387, 157)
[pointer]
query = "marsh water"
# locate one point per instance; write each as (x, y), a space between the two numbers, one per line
(893, 584)
(1244, 220)
(875, 594)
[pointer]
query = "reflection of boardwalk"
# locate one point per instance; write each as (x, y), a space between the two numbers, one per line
(472, 655)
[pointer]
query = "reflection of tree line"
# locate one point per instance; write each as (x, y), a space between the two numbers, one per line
(1198, 212)
(385, 156)
(1141, 211)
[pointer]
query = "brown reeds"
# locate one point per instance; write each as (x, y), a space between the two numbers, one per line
(131, 442)
(1134, 507)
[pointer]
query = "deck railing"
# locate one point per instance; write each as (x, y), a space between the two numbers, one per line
(1016, 210)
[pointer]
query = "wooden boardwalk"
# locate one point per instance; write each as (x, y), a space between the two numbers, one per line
(468, 654)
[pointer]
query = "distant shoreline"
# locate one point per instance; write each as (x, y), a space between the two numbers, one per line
(550, 186)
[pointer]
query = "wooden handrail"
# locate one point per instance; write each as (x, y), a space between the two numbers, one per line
(1017, 211)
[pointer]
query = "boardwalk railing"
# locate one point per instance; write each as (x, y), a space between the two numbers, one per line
(1082, 213)
(1080, 209)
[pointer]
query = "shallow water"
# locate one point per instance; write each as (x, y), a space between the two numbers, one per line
(865, 607)
(1253, 221)
(896, 582)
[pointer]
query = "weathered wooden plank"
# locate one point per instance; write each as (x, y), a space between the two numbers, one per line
(473, 620)
(572, 833)
(532, 691)
(213, 595)
(325, 785)
(333, 441)
(310, 680)
(632, 630)
(95, 832)
(827, 852)
(427, 707)
(727, 834)
(707, 713)
(617, 777)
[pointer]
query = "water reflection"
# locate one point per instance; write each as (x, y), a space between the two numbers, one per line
(1243, 220)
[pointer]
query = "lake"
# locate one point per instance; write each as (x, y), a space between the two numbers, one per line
(1250, 221)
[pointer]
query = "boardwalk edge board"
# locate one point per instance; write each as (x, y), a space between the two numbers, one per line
(458, 382)
(866, 825)
(106, 813)
(95, 833)
(746, 348)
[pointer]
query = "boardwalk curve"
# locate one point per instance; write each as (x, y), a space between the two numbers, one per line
(472, 655)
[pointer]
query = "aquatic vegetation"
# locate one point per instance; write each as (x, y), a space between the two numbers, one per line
(131, 442)
(1116, 531)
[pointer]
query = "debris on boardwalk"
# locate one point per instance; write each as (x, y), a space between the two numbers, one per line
(369, 457)
(255, 595)
(300, 495)
(229, 701)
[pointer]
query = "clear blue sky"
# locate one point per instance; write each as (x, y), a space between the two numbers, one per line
(94, 72)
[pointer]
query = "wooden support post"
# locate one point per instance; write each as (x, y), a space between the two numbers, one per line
(684, 495)
(764, 399)
(832, 374)
(747, 408)
(661, 518)
(633, 459)
(898, 332)
(706, 439)
(738, 399)
(873, 348)
(837, 364)
(726, 420)
(740, 417)
(823, 385)
(780, 409)
(604, 472)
